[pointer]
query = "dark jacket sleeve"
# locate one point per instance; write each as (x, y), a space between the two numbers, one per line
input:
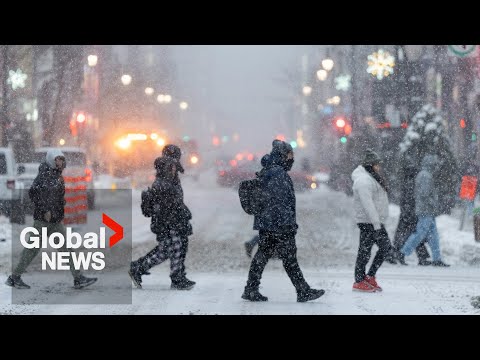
(39, 195)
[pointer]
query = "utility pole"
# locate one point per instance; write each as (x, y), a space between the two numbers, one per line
(4, 109)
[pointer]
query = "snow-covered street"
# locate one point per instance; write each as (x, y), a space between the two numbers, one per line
(327, 243)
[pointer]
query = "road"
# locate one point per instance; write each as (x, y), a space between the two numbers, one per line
(327, 243)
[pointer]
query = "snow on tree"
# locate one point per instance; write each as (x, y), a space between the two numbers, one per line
(426, 134)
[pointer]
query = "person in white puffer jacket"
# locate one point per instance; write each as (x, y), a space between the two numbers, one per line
(370, 198)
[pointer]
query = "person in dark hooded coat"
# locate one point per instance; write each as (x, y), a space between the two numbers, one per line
(408, 219)
(171, 224)
(277, 226)
(426, 209)
(47, 193)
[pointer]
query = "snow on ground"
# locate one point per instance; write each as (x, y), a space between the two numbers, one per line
(327, 243)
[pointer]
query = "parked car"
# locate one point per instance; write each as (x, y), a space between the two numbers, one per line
(77, 166)
(232, 173)
(303, 180)
(11, 190)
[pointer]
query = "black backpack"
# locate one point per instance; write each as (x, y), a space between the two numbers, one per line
(250, 194)
(148, 197)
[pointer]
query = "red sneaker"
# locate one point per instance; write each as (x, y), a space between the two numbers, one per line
(371, 280)
(363, 286)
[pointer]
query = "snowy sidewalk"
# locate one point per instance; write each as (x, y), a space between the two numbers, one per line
(407, 290)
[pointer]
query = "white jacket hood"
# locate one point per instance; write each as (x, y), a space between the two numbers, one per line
(51, 155)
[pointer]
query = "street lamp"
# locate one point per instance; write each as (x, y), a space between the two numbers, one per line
(307, 90)
(183, 105)
(168, 99)
(327, 64)
(92, 60)
(322, 75)
(149, 91)
(126, 79)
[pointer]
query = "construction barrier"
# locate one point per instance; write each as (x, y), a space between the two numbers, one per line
(76, 205)
(468, 188)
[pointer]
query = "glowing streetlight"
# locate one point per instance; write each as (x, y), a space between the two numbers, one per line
(168, 99)
(307, 90)
(62, 142)
(126, 79)
(183, 105)
(92, 60)
(327, 64)
(322, 75)
(149, 91)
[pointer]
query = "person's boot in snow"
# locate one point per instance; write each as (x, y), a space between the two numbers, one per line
(253, 295)
(16, 282)
(310, 294)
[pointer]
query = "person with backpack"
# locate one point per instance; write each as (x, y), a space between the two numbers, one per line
(276, 222)
(170, 222)
(250, 244)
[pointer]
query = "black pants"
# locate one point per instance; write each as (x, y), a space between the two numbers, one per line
(369, 237)
(284, 244)
(174, 248)
(407, 226)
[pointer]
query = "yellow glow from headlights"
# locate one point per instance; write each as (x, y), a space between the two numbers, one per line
(194, 159)
(62, 142)
(136, 137)
(153, 136)
(160, 142)
(313, 185)
(123, 143)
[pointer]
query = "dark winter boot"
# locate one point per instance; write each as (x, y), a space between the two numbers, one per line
(82, 281)
(16, 282)
(253, 295)
(310, 294)
(400, 258)
(135, 274)
(182, 283)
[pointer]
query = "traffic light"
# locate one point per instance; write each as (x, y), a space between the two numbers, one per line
(343, 128)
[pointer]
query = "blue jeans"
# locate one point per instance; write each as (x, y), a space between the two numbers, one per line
(426, 228)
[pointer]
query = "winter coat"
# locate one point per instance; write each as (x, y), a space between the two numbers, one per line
(407, 200)
(279, 213)
(370, 200)
(426, 194)
(170, 212)
(47, 193)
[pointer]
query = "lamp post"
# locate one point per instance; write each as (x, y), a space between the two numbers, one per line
(414, 78)
(4, 110)
(126, 79)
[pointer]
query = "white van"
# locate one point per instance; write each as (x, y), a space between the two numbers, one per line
(11, 196)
